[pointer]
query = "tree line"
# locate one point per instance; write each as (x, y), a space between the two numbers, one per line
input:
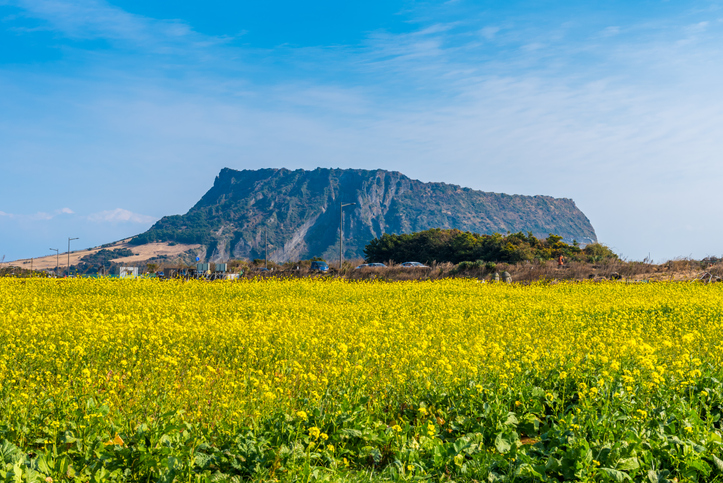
(457, 246)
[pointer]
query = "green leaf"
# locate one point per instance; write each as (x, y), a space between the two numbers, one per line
(42, 464)
(493, 477)
(9, 453)
(627, 464)
(615, 475)
(376, 455)
(526, 469)
(717, 462)
(553, 464)
(659, 477)
(502, 443)
(701, 466)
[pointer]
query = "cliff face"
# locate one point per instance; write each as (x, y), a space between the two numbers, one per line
(300, 211)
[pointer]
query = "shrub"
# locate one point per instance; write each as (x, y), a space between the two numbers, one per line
(456, 246)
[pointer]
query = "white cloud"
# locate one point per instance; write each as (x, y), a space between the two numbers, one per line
(94, 19)
(610, 31)
(40, 215)
(119, 215)
(489, 32)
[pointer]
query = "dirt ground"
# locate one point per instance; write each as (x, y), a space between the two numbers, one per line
(140, 253)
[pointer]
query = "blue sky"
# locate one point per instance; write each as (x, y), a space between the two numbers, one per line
(113, 114)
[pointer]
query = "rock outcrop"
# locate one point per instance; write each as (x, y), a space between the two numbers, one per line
(299, 212)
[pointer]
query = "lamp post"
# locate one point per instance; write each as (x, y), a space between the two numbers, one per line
(266, 253)
(57, 252)
(341, 233)
(69, 254)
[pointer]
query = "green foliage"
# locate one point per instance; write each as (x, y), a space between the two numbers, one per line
(456, 246)
(470, 432)
(103, 257)
(597, 252)
(192, 228)
(100, 260)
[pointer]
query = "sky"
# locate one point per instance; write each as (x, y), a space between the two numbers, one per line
(116, 113)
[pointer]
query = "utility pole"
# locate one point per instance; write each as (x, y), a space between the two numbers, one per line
(69, 254)
(341, 233)
(266, 241)
(57, 252)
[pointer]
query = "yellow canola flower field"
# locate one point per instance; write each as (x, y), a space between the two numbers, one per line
(230, 355)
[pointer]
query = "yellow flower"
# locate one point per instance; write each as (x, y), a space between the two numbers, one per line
(239, 353)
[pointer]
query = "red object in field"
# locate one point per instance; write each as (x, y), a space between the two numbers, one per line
(560, 261)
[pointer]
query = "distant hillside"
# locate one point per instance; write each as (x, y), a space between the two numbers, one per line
(301, 211)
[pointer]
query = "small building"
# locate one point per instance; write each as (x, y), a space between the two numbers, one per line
(128, 272)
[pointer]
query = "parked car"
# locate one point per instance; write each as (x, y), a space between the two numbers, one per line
(319, 266)
(414, 265)
(370, 265)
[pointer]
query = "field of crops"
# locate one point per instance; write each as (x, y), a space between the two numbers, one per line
(307, 380)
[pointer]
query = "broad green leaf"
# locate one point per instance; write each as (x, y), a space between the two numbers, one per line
(717, 462)
(526, 469)
(628, 464)
(502, 443)
(511, 419)
(615, 475)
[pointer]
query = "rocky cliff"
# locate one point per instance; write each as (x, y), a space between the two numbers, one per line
(300, 212)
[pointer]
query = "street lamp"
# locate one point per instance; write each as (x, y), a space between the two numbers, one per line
(57, 252)
(341, 233)
(69, 254)
(266, 253)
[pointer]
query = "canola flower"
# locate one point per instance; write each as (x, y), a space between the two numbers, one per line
(491, 381)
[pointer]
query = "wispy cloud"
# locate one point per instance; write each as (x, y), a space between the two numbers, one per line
(489, 32)
(38, 216)
(98, 19)
(119, 215)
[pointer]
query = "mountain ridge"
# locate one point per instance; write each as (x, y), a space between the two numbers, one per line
(300, 209)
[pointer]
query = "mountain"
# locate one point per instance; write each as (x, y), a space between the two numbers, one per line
(299, 210)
